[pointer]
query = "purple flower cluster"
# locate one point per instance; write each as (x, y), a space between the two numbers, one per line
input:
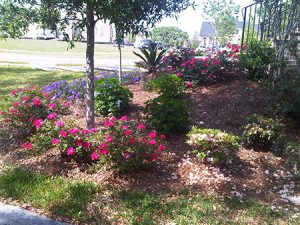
(76, 89)
(70, 90)
(127, 77)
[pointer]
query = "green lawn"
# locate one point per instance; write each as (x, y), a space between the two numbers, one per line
(57, 46)
(71, 199)
(13, 77)
(56, 195)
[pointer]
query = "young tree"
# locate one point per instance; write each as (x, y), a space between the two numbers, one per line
(170, 36)
(130, 16)
(223, 14)
(195, 42)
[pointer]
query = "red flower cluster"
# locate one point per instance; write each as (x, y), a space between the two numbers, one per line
(195, 69)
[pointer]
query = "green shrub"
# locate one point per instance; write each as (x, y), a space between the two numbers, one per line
(213, 143)
(167, 115)
(168, 85)
(258, 59)
(262, 133)
(111, 97)
(152, 58)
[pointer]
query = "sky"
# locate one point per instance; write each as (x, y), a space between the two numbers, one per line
(190, 20)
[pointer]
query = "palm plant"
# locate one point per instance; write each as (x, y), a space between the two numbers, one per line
(151, 58)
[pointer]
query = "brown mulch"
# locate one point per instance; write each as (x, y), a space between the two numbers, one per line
(223, 106)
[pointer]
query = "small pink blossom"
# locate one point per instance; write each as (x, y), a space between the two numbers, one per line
(60, 123)
(123, 118)
(103, 145)
(152, 142)
(13, 92)
(113, 119)
(16, 104)
(216, 62)
(51, 116)
(141, 126)
(51, 105)
(86, 145)
(26, 145)
(154, 156)
(12, 111)
(94, 156)
(162, 147)
(163, 136)
(128, 132)
(109, 139)
(66, 104)
(74, 131)
(152, 134)
(38, 123)
(108, 123)
(126, 155)
(92, 130)
(55, 141)
(131, 140)
(37, 102)
(63, 133)
(84, 131)
(188, 84)
(79, 143)
(70, 151)
(25, 99)
(104, 151)
(179, 74)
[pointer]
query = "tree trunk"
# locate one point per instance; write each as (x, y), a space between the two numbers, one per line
(120, 63)
(90, 39)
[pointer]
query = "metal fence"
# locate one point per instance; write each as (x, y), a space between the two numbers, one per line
(269, 19)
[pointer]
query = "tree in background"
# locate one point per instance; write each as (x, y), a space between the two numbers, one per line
(195, 42)
(170, 36)
(128, 16)
(223, 14)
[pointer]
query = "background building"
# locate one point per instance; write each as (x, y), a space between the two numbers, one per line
(208, 34)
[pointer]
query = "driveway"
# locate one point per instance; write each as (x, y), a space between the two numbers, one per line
(12, 215)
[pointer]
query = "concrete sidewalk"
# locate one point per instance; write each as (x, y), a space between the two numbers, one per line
(12, 215)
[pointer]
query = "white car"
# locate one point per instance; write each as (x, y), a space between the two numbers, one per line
(145, 43)
(46, 34)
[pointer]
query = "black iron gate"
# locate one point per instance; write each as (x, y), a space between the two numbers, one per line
(269, 19)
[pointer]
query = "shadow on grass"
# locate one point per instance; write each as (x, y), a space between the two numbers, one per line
(11, 76)
(55, 195)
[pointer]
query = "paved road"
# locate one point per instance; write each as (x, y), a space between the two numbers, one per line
(12, 215)
(50, 59)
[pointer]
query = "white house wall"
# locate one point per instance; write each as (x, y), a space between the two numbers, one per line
(104, 32)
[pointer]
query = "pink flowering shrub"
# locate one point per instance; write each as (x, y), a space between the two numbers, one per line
(200, 70)
(125, 146)
(129, 146)
(30, 108)
(65, 136)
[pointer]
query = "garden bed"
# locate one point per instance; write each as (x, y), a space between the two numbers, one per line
(254, 175)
